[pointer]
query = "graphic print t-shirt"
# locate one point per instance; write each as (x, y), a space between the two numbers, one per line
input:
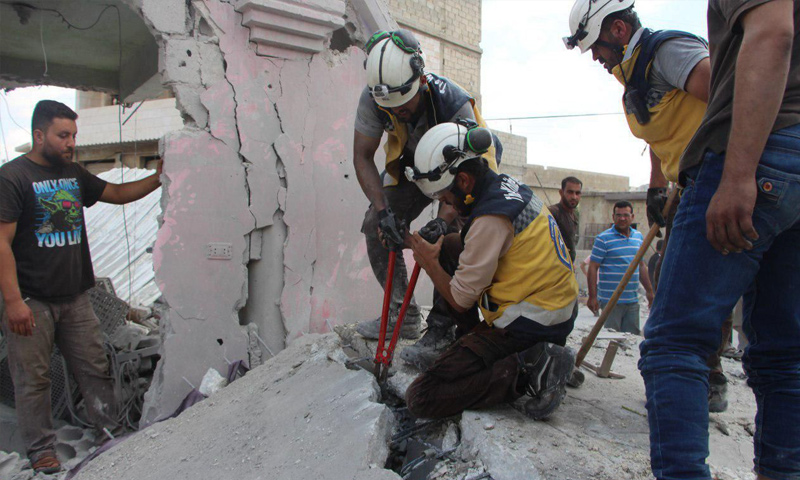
(50, 246)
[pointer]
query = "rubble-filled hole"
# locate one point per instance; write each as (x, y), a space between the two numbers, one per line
(341, 40)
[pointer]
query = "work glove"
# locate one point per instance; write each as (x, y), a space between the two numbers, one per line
(392, 229)
(433, 230)
(656, 200)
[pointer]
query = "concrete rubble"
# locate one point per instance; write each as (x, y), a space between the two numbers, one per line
(600, 431)
(303, 414)
(73, 444)
(311, 412)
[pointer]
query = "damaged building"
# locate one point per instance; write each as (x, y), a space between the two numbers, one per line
(257, 226)
(259, 248)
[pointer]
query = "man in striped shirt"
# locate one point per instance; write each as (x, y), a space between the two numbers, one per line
(612, 253)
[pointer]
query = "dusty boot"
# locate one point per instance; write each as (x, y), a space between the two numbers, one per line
(438, 336)
(370, 329)
(717, 392)
(545, 369)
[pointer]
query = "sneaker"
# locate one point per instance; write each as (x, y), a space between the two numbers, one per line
(370, 329)
(47, 463)
(434, 342)
(717, 393)
(545, 368)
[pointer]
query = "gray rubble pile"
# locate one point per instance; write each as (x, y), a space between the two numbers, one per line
(303, 414)
(599, 432)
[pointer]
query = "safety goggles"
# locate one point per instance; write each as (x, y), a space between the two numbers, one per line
(401, 38)
(383, 91)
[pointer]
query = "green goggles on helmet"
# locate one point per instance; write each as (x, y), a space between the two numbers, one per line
(404, 40)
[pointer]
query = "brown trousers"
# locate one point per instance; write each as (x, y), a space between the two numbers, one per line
(75, 328)
(481, 368)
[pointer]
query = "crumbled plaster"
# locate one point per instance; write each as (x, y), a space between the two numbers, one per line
(264, 164)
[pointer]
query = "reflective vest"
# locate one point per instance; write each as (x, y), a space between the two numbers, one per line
(443, 98)
(674, 119)
(535, 278)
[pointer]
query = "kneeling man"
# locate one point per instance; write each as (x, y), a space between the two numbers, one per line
(512, 265)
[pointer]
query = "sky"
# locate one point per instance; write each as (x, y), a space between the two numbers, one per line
(526, 71)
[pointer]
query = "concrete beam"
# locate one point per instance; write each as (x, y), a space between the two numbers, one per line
(22, 71)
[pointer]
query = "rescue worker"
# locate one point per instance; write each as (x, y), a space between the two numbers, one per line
(665, 75)
(512, 264)
(403, 101)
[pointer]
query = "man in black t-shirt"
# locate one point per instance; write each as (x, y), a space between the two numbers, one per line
(45, 271)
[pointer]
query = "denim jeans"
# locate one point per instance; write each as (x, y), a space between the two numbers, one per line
(624, 317)
(698, 289)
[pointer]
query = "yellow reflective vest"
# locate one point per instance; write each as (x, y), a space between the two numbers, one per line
(535, 278)
(673, 121)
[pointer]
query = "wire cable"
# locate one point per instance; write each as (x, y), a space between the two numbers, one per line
(41, 39)
(121, 154)
(8, 109)
(568, 115)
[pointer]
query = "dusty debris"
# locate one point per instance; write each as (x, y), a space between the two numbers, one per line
(302, 414)
(599, 432)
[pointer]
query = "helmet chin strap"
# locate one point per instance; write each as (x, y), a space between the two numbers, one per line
(465, 199)
(617, 49)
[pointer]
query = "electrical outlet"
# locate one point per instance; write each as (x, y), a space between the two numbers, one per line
(219, 251)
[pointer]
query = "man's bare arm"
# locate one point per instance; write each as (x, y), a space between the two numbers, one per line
(762, 69)
(122, 193)
(644, 279)
(657, 178)
(698, 84)
(20, 317)
(369, 178)
(591, 280)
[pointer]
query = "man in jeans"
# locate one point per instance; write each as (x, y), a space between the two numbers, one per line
(737, 232)
(45, 270)
(612, 253)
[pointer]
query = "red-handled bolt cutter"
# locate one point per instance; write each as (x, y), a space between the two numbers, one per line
(384, 354)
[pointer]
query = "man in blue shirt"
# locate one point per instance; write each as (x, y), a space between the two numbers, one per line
(613, 251)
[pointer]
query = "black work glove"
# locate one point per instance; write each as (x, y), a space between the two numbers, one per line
(433, 230)
(656, 200)
(393, 230)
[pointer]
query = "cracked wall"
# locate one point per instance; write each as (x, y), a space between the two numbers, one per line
(263, 164)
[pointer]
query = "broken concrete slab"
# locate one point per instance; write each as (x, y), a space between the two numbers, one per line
(302, 414)
(600, 431)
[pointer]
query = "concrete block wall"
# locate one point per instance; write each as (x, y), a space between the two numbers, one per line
(515, 151)
(450, 34)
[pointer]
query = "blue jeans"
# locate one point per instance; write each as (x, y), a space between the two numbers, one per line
(698, 289)
(624, 317)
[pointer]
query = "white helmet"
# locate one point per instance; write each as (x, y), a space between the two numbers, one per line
(587, 17)
(394, 65)
(441, 150)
